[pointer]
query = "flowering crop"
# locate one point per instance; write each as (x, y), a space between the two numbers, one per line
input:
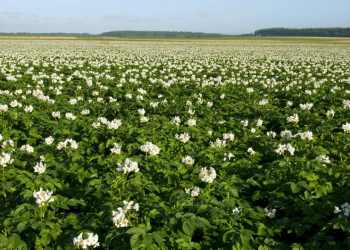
(249, 145)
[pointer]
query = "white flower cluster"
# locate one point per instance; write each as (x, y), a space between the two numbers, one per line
(263, 102)
(27, 148)
(49, 140)
(119, 217)
(346, 209)
(271, 134)
(141, 111)
(306, 106)
(3, 107)
(270, 213)
(114, 124)
(194, 192)
(218, 143)
(191, 112)
(282, 147)
(323, 159)
(294, 118)
(346, 127)
(150, 148)
(143, 119)
(28, 109)
(43, 197)
(176, 120)
(229, 155)
(305, 135)
(207, 176)
(250, 90)
(188, 160)
(191, 122)
(92, 241)
(346, 104)
(251, 151)
(14, 104)
(244, 123)
(289, 103)
(116, 149)
(154, 104)
(286, 134)
(229, 136)
(85, 112)
(73, 144)
(330, 113)
(40, 168)
(259, 123)
(183, 137)
(56, 114)
(72, 101)
(70, 116)
(10, 143)
(128, 166)
(5, 159)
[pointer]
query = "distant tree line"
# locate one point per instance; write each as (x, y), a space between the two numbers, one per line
(161, 34)
(326, 32)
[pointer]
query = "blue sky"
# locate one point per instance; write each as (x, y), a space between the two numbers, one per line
(220, 16)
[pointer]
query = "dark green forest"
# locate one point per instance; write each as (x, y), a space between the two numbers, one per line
(162, 34)
(325, 32)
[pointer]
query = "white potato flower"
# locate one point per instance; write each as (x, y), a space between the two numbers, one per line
(191, 122)
(235, 211)
(188, 160)
(116, 148)
(28, 109)
(40, 168)
(43, 197)
(207, 176)
(270, 213)
(5, 159)
(27, 148)
(92, 241)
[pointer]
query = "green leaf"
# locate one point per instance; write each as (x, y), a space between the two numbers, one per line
(188, 229)
(22, 226)
(202, 222)
(202, 208)
(158, 238)
(135, 230)
(295, 188)
(135, 241)
(15, 242)
(147, 239)
(46, 236)
(320, 190)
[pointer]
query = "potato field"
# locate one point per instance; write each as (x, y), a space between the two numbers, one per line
(174, 145)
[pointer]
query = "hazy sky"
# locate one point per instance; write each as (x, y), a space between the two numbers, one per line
(220, 16)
